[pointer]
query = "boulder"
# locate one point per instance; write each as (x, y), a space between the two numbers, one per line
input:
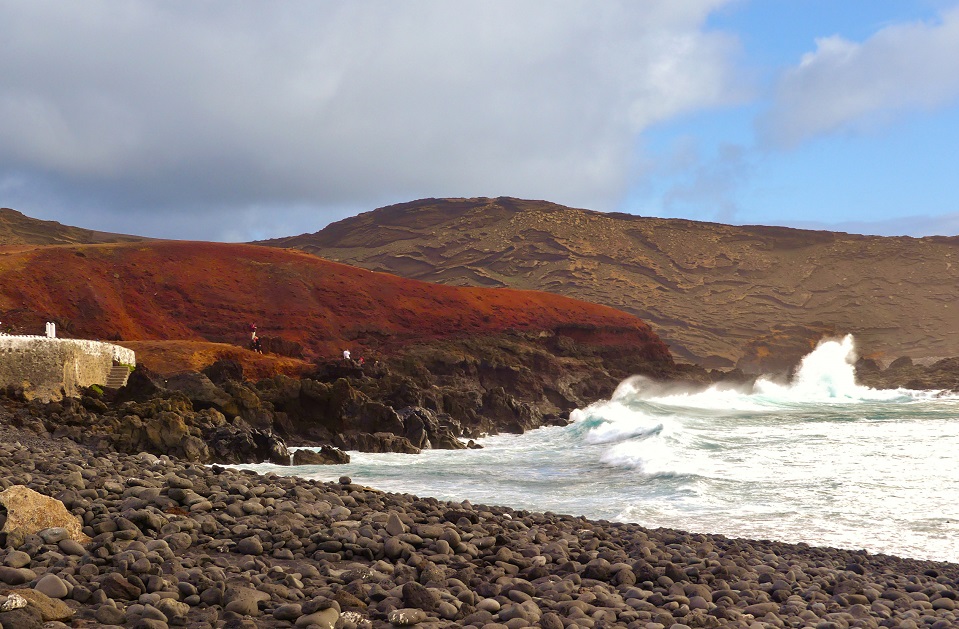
(416, 421)
(237, 442)
(328, 455)
(50, 609)
(424, 430)
(29, 512)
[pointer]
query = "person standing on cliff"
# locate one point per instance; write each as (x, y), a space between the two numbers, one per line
(254, 340)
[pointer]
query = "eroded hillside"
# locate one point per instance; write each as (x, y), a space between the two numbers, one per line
(720, 295)
(305, 306)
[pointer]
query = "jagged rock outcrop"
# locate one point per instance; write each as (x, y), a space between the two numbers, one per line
(158, 421)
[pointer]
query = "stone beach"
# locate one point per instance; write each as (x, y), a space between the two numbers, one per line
(174, 543)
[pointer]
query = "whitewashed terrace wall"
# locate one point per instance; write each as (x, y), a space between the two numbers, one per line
(50, 368)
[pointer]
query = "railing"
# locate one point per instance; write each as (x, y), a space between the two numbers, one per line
(49, 333)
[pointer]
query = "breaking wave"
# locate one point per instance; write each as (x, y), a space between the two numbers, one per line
(661, 429)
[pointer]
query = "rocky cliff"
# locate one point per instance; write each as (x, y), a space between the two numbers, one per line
(720, 295)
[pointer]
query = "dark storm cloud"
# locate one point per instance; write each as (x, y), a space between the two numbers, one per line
(236, 120)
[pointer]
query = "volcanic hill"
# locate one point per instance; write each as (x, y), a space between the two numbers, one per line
(209, 292)
(18, 229)
(719, 295)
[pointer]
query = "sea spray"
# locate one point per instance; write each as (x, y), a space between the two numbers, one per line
(819, 459)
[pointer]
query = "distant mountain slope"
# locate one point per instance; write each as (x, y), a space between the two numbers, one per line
(718, 294)
(18, 229)
(196, 291)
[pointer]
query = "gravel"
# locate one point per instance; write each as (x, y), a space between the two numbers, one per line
(181, 544)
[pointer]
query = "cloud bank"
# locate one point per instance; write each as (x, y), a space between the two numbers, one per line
(851, 87)
(143, 113)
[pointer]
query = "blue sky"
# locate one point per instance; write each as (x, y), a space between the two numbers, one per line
(242, 120)
(893, 176)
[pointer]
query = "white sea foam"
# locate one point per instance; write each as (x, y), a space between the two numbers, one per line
(825, 376)
(820, 459)
(648, 425)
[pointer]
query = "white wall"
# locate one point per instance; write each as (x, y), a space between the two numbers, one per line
(49, 369)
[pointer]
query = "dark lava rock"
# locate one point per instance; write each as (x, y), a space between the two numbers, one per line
(378, 442)
(328, 455)
(199, 389)
(223, 371)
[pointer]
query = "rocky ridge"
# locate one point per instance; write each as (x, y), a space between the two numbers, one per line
(18, 229)
(720, 295)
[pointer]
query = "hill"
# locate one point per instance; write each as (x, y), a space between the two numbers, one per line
(720, 295)
(304, 306)
(18, 229)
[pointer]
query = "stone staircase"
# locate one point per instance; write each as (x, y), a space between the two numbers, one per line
(117, 377)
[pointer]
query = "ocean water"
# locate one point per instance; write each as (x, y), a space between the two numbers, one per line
(819, 460)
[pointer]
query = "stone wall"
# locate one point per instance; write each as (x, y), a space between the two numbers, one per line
(50, 369)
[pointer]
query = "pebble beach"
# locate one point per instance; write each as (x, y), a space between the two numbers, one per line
(165, 543)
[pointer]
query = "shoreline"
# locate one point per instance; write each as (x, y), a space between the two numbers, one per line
(178, 543)
(330, 473)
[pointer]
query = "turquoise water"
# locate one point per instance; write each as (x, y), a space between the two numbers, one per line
(819, 460)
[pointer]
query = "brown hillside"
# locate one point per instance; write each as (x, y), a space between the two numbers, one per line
(718, 294)
(17, 229)
(170, 357)
(162, 290)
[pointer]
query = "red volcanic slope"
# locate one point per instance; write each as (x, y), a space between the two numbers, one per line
(165, 290)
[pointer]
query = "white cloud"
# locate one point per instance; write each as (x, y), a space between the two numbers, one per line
(151, 106)
(852, 87)
(709, 190)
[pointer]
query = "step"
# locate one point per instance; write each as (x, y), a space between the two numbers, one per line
(118, 376)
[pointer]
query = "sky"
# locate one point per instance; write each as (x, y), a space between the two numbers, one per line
(240, 120)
